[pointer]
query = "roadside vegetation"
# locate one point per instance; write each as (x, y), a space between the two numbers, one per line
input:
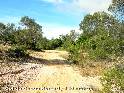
(98, 50)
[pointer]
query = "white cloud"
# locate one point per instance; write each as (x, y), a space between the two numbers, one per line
(75, 7)
(51, 30)
(91, 5)
(86, 6)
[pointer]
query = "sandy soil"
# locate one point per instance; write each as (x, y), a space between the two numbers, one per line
(57, 78)
(50, 54)
(60, 78)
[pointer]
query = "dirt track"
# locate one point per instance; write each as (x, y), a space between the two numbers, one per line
(59, 78)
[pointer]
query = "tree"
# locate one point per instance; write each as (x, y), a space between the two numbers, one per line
(112, 79)
(30, 23)
(117, 7)
(68, 40)
(54, 43)
(100, 36)
(91, 23)
(2, 26)
(29, 36)
(6, 33)
(32, 33)
(2, 29)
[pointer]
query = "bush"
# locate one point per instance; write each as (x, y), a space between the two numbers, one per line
(17, 51)
(113, 80)
(73, 56)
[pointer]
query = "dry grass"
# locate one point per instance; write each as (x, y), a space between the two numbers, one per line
(96, 68)
(4, 47)
(50, 54)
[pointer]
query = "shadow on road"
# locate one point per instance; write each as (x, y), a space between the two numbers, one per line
(46, 62)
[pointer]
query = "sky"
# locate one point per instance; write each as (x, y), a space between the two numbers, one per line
(57, 17)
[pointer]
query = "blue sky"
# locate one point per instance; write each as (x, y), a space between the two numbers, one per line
(56, 16)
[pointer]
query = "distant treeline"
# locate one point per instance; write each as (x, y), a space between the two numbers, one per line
(29, 35)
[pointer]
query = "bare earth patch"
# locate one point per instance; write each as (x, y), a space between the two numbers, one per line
(57, 78)
(50, 54)
(60, 78)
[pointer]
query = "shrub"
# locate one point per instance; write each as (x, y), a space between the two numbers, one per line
(17, 51)
(113, 80)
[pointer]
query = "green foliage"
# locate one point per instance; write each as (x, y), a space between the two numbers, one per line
(6, 31)
(74, 54)
(32, 34)
(54, 43)
(30, 40)
(117, 7)
(92, 23)
(28, 34)
(68, 40)
(41, 44)
(101, 38)
(17, 52)
(113, 80)
(30, 24)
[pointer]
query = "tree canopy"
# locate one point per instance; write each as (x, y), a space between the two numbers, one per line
(117, 7)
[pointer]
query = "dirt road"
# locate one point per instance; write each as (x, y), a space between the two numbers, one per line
(60, 77)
